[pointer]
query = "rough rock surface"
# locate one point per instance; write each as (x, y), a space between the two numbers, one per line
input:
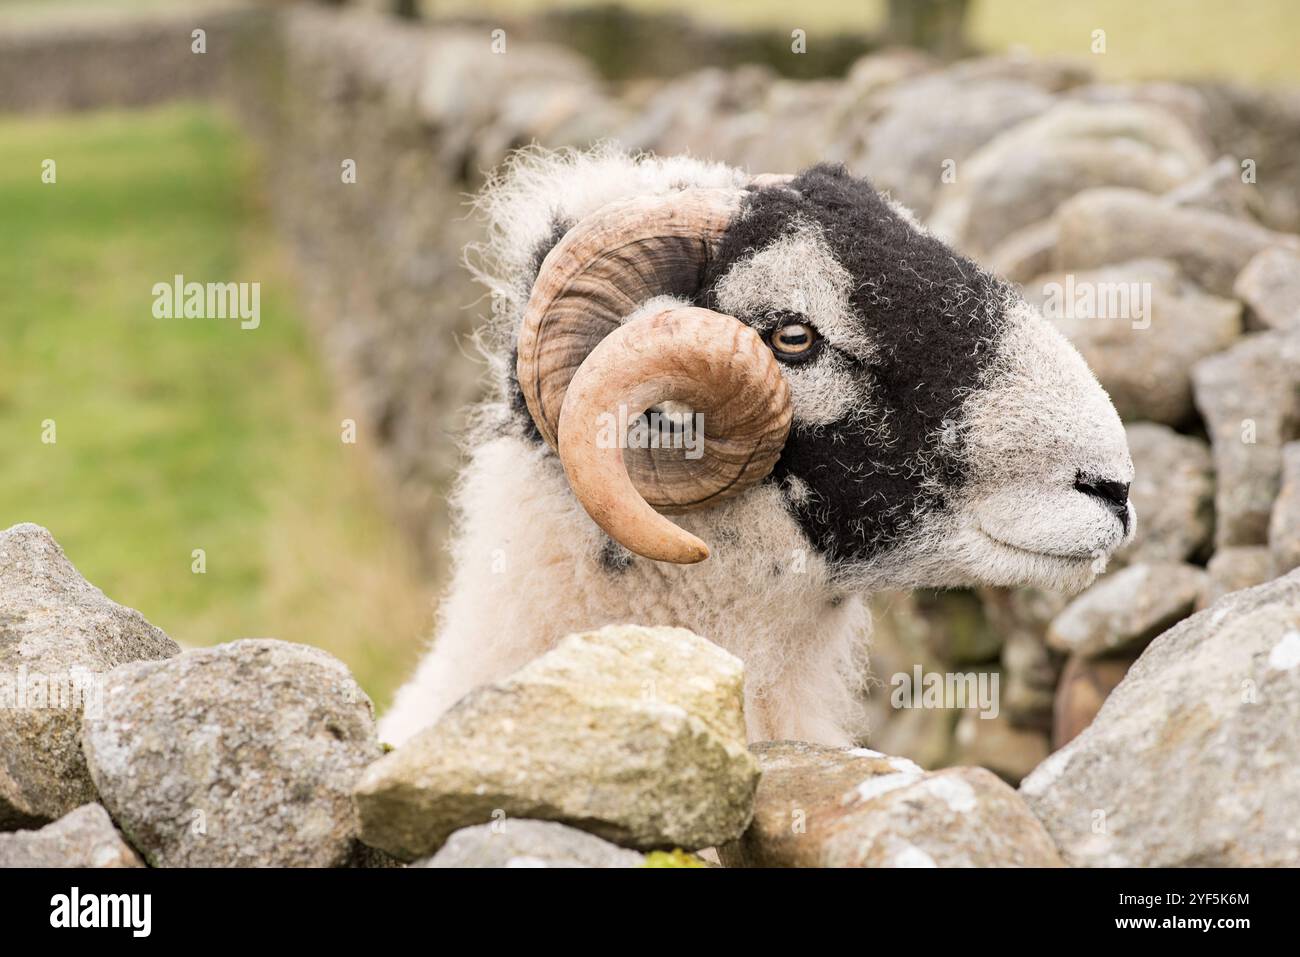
(516, 842)
(996, 743)
(85, 837)
(1112, 225)
(1029, 668)
(1194, 759)
(899, 642)
(1234, 568)
(1026, 253)
(1250, 399)
(1270, 288)
(58, 633)
(1173, 493)
(240, 755)
(1284, 524)
(1019, 177)
(1122, 612)
(937, 118)
(1029, 674)
(634, 734)
(850, 807)
(1140, 347)
(1085, 683)
(1219, 189)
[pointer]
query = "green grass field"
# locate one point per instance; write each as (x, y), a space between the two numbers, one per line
(181, 434)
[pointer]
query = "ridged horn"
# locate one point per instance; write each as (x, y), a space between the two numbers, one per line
(599, 273)
(712, 364)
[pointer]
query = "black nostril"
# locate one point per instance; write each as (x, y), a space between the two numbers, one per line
(1114, 494)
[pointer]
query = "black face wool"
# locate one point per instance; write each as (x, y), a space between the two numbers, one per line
(514, 394)
(933, 317)
(558, 228)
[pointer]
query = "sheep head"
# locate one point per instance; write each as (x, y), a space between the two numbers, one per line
(924, 424)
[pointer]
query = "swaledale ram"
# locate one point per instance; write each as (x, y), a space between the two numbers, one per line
(876, 412)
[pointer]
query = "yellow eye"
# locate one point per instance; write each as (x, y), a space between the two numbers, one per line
(794, 339)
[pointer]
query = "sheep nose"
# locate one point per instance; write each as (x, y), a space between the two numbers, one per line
(1114, 495)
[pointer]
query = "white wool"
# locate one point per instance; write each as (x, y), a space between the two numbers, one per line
(529, 565)
(1038, 420)
(536, 188)
(528, 570)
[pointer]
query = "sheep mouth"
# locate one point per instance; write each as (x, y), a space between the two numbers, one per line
(1080, 558)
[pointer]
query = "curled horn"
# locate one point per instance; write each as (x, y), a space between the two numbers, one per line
(580, 368)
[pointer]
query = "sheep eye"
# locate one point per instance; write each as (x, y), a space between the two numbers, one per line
(794, 340)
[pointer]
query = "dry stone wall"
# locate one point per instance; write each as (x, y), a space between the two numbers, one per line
(1031, 166)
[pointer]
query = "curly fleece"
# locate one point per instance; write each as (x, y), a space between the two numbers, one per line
(871, 478)
(895, 454)
(939, 431)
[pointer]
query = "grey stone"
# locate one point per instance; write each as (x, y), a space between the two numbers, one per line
(1173, 493)
(901, 641)
(1085, 684)
(1019, 177)
(85, 837)
(1025, 253)
(1234, 568)
(799, 126)
(1194, 758)
(1113, 225)
(1140, 326)
(1269, 285)
(923, 735)
(1029, 668)
(1261, 127)
(1284, 524)
(1022, 610)
(883, 68)
(634, 734)
(1217, 188)
(850, 807)
(1249, 397)
(1176, 99)
(1123, 611)
(517, 842)
(698, 110)
(58, 634)
(951, 624)
(459, 88)
(1050, 74)
(1029, 674)
(240, 755)
(994, 742)
(938, 117)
